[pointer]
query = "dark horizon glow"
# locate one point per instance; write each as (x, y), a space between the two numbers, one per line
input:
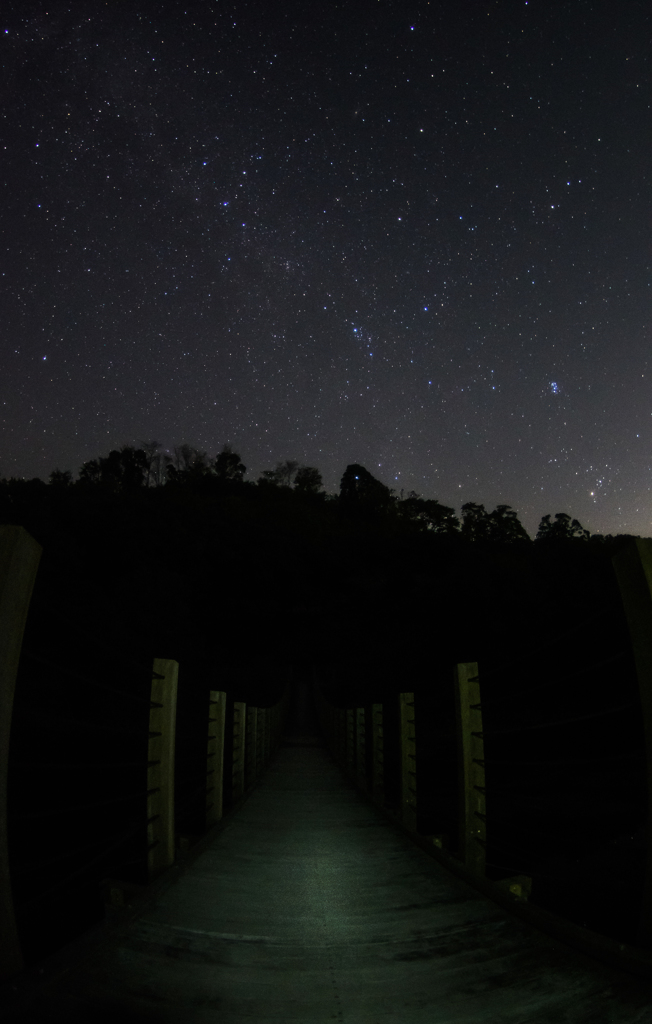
(337, 234)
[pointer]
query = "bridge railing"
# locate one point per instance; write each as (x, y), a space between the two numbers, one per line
(91, 805)
(538, 793)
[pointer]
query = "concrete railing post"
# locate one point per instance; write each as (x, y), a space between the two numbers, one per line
(268, 735)
(260, 739)
(350, 740)
(331, 724)
(160, 766)
(361, 748)
(251, 748)
(408, 761)
(276, 718)
(332, 732)
(377, 754)
(215, 757)
(283, 710)
(322, 711)
(237, 769)
(341, 737)
(471, 781)
(19, 559)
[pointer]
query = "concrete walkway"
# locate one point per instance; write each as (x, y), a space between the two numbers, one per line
(309, 906)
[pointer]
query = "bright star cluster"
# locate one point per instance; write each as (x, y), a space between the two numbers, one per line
(335, 235)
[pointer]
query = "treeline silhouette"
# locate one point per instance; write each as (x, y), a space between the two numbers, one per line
(361, 494)
(180, 555)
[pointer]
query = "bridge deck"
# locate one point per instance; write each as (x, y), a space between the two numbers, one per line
(310, 906)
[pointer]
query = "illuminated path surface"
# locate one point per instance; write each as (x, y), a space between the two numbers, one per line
(310, 906)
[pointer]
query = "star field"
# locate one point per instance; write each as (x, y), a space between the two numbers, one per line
(337, 233)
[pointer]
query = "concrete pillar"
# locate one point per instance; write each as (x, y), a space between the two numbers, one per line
(261, 720)
(160, 767)
(215, 757)
(237, 771)
(19, 560)
(275, 724)
(350, 740)
(329, 719)
(251, 747)
(267, 738)
(471, 781)
(377, 755)
(361, 748)
(286, 706)
(408, 761)
(341, 737)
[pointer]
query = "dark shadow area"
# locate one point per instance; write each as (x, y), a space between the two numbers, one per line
(302, 728)
(245, 584)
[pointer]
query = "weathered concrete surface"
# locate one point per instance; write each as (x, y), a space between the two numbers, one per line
(310, 906)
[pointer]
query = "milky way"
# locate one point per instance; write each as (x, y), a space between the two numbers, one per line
(335, 233)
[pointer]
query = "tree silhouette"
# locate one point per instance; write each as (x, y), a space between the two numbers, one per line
(428, 514)
(228, 465)
(502, 526)
(360, 491)
(562, 529)
(128, 467)
(123, 470)
(308, 480)
(506, 527)
(155, 461)
(476, 522)
(59, 478)
(91, 472)
(187, 458)
(158, 468)
(188, 465)
(282, 476)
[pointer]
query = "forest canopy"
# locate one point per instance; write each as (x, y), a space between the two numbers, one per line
(361, 498)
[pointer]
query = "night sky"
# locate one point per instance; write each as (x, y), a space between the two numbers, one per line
(416, 237)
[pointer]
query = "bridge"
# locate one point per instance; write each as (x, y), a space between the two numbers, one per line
(309, 904)
(310, 901)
